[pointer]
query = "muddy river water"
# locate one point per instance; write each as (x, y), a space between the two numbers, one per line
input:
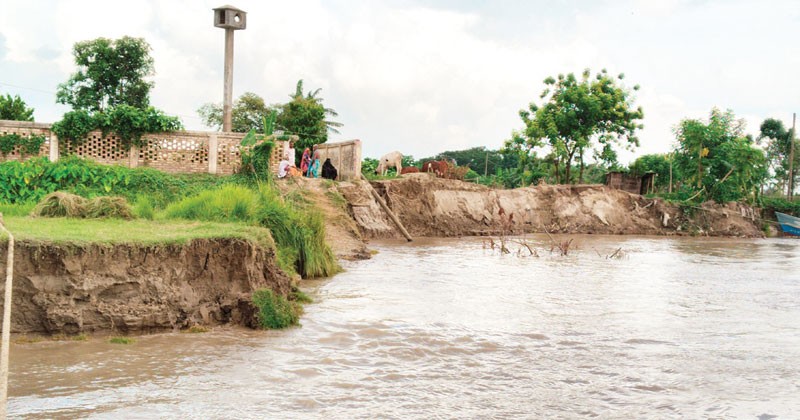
(673, 328)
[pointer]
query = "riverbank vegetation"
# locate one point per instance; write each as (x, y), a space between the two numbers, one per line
(167, 208)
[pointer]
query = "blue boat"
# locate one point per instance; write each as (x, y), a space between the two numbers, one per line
(789, 224)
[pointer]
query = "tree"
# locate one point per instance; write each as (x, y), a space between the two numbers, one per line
(657, 163)
(331, 126)
(718, 159)
(248, 112)
(110, 73)
(579, 112)
(778, 149)
(14, 109)
(305, 116)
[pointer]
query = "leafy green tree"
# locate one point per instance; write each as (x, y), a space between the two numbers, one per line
(110, 73)
(306, 117)
(718, 159)
(778, 148)
(579, 114)
(332, 126)
(657, 163)
(14, 109)
(249, 112)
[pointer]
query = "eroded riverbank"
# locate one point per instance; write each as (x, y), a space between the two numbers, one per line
(678, 327)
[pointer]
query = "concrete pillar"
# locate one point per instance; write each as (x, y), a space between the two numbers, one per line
(357, 159)
(227, 105)
(53, 148)
(213, 153)
(133, 157)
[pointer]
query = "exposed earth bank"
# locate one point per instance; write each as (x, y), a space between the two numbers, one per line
(429, 206)
(71, 289)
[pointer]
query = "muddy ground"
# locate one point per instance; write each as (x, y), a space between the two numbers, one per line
(429, 206)
(66, 289)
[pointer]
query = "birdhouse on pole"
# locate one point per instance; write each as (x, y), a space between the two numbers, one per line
(231, 19)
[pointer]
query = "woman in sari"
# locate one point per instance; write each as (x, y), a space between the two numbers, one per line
(305, 161)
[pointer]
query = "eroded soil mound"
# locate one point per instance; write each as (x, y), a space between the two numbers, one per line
(74, 289)
(429, 206)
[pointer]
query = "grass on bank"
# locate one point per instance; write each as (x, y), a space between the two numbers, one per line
(143, 232)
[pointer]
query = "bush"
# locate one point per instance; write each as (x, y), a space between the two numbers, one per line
(60, 204)
(143, 208)
(228, 203)
(31, 180)
(275, 311)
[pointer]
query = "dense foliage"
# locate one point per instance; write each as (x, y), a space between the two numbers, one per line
(109, 93)
(249, 113)
(14, 108)
(110, 73)
(579, 115)
(31, 180)
(779, 148)
(29, 145)
(717, 160)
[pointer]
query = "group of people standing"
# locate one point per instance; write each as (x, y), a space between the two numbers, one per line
(309, 164)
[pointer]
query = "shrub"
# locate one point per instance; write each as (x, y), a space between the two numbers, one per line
(143, 207)
(60, 204)
(275, 311)
(102, 207)
(228, 203)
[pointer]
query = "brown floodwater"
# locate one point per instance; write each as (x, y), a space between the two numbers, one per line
(672, 328)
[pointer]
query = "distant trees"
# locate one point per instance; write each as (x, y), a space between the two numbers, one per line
(717, 159)
(249, 112)
(778, 147)
(580, 114)
(15, 109)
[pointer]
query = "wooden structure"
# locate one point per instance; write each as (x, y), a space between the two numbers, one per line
(633, 184)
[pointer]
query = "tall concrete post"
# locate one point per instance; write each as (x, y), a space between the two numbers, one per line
(230, 19)
(227, 103)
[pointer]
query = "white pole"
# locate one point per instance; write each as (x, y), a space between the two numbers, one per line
(6, 323)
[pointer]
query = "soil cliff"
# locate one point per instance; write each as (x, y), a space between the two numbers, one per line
(75, 289)
(429, 206)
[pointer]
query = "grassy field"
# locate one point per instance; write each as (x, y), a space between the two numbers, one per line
(143, 232)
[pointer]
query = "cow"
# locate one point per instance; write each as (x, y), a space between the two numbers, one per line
(409, 170)
(388, 160)
(437, 167)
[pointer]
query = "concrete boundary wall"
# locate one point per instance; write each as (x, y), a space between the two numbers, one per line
(345, 156)
(174, 152)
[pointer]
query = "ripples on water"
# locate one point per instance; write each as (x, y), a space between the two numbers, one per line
(696, 328)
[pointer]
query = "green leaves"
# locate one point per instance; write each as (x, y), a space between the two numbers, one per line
(128, 123)
(14, 109)
(111, 73)
(583, 113)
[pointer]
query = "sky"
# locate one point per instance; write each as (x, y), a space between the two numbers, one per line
(423, 77)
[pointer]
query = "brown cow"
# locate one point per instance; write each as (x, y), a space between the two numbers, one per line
(409, 170)
(438, 167)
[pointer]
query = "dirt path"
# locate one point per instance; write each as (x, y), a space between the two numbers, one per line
(341, 231)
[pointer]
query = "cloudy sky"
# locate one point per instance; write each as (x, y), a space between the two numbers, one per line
(428, 76)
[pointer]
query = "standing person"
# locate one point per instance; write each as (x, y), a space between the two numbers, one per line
(313, 170)
(290, 151)
(305, 161)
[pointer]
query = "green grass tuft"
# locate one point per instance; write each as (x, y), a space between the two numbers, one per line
(196, 329)
(19, 209)
(144, 208)
(121, 340)
(275, 311)
(299, 296)
(228, 203)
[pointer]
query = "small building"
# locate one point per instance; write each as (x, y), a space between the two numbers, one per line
(633, 184)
